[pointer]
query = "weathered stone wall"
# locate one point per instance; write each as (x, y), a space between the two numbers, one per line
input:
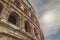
(18, 22)
(7, 37)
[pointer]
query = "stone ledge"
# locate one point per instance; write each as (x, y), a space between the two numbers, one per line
(12, 33)
(16, 29)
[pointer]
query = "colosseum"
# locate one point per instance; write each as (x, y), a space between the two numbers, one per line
(18, 21)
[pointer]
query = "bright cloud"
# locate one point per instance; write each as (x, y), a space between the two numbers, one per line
(54, 21)
(48, 20)
(48, 14)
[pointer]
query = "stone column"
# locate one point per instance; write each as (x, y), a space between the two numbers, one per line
(22, 23)
(5, 13)
(32, 31)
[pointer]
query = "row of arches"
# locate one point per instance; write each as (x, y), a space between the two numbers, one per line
(14, 19)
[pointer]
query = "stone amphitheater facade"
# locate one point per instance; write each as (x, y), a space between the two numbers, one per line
(18, 21)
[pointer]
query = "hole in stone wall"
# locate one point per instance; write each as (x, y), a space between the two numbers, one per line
(1, 7)
(35, 31)
(13, 18)
(27, 26)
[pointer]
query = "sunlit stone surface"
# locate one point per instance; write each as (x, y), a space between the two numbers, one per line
(18, 22)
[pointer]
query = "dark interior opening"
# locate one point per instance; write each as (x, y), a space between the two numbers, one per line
(35, 31)
(27, 26)
(12, 19)
(1, 7)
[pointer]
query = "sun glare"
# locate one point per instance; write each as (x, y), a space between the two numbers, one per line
(48, 17)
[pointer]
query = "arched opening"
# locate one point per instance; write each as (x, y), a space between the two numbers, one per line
(13, 18)
(27, 27)
(36, 34)
(1, 7)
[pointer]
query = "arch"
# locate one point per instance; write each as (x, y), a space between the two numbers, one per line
(13, 18)
(36, 34)
(1, 7)
(27, 27)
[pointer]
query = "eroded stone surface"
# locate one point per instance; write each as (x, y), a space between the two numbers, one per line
(18, 22)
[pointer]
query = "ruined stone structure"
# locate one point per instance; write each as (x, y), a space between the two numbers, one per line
(18, 22)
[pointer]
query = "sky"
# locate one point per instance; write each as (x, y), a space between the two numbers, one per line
(48, 15)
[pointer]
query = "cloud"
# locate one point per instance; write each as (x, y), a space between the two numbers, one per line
(41, 7)
(51, 28)
(47, 25)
